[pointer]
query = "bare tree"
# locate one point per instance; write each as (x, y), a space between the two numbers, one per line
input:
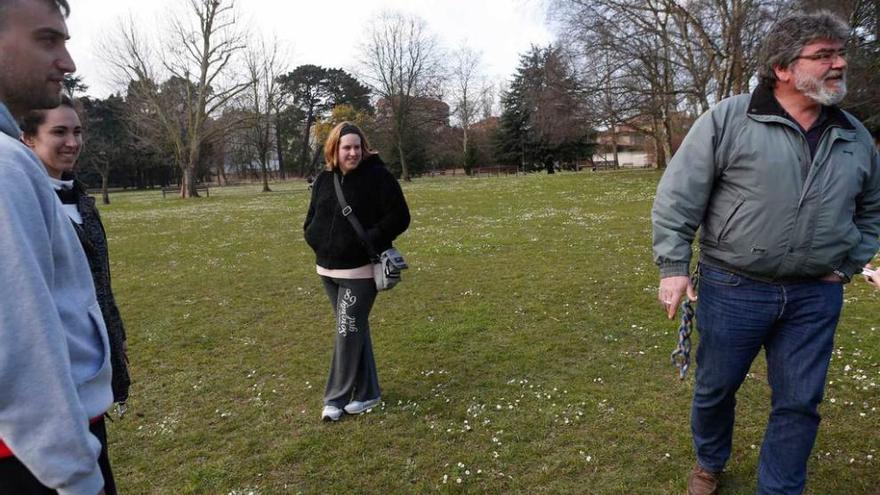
(650, 58)
(264, 66)
(402, 63)
(198, 59)
(468, 91)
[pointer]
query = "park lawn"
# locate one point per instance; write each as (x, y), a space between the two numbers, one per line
(523, 353)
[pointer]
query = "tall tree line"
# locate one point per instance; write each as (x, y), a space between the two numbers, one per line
(654, 65)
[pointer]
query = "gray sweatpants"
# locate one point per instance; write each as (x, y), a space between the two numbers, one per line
(353, 369)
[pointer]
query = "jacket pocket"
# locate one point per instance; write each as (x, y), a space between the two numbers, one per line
(101, 328)
(725, 225)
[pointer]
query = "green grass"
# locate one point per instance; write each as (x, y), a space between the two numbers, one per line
(524, 352)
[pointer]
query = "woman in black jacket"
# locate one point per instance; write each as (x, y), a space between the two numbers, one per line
(343, 264)
(55, 136)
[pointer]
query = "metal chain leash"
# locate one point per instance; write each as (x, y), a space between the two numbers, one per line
(681, 356)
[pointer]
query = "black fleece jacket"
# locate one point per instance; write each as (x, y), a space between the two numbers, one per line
(374, 196)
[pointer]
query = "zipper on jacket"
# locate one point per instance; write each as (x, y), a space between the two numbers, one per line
(810, 171)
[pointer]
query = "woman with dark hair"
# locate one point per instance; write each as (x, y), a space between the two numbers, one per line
(343, 262)
(55, 136)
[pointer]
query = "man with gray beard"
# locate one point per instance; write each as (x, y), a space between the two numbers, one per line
(785, 189)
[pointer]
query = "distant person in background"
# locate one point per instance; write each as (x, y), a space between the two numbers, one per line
(344, 264)
(54, 353)
(56, 138)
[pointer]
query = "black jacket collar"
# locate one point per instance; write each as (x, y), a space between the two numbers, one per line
(764, 103)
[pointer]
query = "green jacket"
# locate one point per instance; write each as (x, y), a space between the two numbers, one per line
(739, 174)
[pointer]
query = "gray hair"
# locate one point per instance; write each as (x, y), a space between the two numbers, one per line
(789, 36)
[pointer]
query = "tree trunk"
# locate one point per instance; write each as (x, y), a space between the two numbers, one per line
(221, 174)
(400, 116)
(188, 183)
(404, 171)
(265, 168)
(877, 21)
(316, 160)
(105, 195)
(667, 136)
(304, 154)
(464, 142)
(279, 147)
(614, 145)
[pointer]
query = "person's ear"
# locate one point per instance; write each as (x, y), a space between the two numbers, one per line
(28, 141)
(783, 74)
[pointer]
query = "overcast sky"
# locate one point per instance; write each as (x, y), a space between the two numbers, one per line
(325, 32)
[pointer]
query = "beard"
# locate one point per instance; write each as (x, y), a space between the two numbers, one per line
(23, 91)
(35, 99)
(20, 100)
(816, 89)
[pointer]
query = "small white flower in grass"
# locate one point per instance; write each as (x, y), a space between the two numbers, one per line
(460, 465)
(479, 471)
(666, 455)
(445, 478)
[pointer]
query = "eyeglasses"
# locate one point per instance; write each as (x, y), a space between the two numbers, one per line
(825, 56)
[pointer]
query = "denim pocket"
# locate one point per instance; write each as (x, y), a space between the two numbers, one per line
(716, 276)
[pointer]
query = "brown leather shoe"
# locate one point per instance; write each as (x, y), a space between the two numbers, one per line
(702, 482)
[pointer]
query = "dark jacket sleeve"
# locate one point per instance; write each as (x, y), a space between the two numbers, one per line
(311, 213)
(394, 213)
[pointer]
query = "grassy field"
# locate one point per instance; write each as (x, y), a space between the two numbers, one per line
(524, 352)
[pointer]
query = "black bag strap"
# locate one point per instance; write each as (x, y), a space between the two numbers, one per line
(352, 218)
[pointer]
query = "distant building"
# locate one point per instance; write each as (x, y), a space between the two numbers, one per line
(636, 145)
(634, 149)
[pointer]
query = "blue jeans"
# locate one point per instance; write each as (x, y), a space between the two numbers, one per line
(794, 323)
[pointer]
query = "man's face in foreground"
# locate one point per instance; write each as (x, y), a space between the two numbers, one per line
(33, 55)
